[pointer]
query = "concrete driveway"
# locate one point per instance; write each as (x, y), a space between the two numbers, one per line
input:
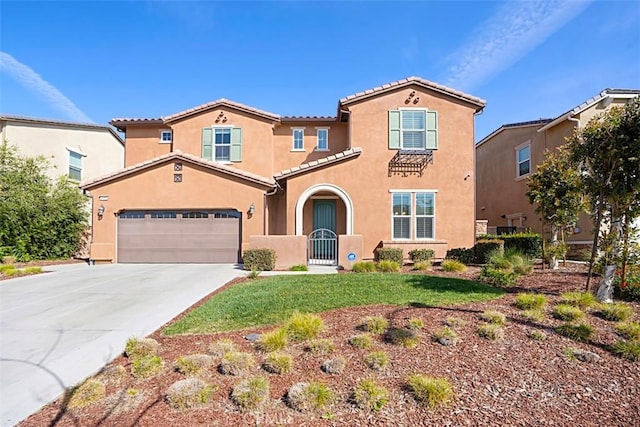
(58, 328)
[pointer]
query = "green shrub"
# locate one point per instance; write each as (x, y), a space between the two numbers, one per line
(445, 336)
(278, 363)
(333, 366)
(453, 266)
(533, 315)
(616, 312)
(464, 255)
(523, 270)
(194, 364)
(304, 326)
(4, 268)
(253, 274)
(485, 248)
(363, 267)
(311, 396)
(137, 347)
(236, 363)
(262, 259)
(389, 254)
(497, 277)
(530, 301)
(88, 393)
(369, 395)
(221, 347)
(582, 300)
(582, 332)
(567, 312)
(361, 341)
(418, 255)
(12, 272)
(32, 270)
(530, 244)
(112, 374)
(537, 335)
(629, 330)
(272, 341)
(146, 366)
(387, 266)
(299, 267)
(453, 322)
(630, 288)
(493, 316)
(422, 266)
(8, 259)
(377, 360)
(403, 337)
(374, 324)
(321, 346)
(415, 323)
(491, 331)
(251, 393)
(189, 393)
(430, 391)
(629, 350)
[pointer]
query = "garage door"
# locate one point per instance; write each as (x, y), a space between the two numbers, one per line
(211, 236)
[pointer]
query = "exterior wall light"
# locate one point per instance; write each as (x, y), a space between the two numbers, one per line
(101, 210)
(252, 209)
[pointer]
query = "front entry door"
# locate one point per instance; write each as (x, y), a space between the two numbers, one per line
(324, 214)
(322, 241)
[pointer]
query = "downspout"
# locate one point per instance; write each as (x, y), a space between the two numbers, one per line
(88, 194)
(264, 206)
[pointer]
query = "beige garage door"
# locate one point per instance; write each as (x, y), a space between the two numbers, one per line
(211, 236)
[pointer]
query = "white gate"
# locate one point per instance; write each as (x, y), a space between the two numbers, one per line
(322, 247)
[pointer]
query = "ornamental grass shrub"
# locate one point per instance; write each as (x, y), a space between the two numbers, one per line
(377, 360)
(221, 347)
(278, 363)
(453, 266)
(194, 364)
(273, 340)
(141, 347)
(491, 331)
(144, 367)
(430, 391)
(615, 312)
(364, 267)
(304, 326)
(493, 316)
(529, 301)
(236, 363)
(310, 396)
(334, 366)
(189, 393)
(86, 394)
(582, 300)
(582, 332)
(388, 266)
(320, 346)
(361, 341)
(370, 396)
(629, 350)
(403, 337)
(251, 393)
(374, 324)
(629, 330)
(567, 312)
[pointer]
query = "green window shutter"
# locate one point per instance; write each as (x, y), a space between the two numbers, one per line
(236, 144)
(432, 130)
(394, 130)
(207, 143)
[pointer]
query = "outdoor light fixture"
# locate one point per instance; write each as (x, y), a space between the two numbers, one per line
(101, 211)
(252, 209)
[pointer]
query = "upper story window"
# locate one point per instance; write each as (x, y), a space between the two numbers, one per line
(413, 129)
(523, 160)
(166, 137)
(75, 166)
(298, 139)
(222, 144)
(323, 139)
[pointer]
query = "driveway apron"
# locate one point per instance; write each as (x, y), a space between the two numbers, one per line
(60, 327)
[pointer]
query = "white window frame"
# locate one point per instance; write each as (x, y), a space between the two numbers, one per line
(77, 152)
(163, 133)
(424, 130)
(432, 216)
(400, 215)
(318, 130)
(518, 149)
(213, 145)
(413, 217)
(294, 130)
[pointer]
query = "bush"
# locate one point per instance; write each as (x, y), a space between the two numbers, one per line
(236, 363)
(629, 330)
(537, 335)
(6, 267)
(465, 256)
(321, 346)
(272, 341)
(11, 272)
(530, 301)
(250, 393)
(485, 248)
(533, 315)
(194, 364)
(453, 266)
(278, 363)
(374, 324)
(493, 316)
(361, 341)
(415, 323)
(146, 366)
(389, 254)
(309, 396)
(567, 312)
(32, 270)
(377, 360)
(259, 259)
(363, 267)
(453, 322)
(529, 244)
(418, 255)
(582, 332)
(403, 337)
(189, 393)
(491, 331)
(88, 393)
(615, 311)
(136, 347)
(387, 266)
(430, 391)
(422, 266)
(445, 336)
(371, 396)
(630, 289)
(221, 347)
(582, 300)
(304, 326)
(299, 267)
(523, 270)
(8, 259)
(334, 365)
(629, 350)
(497, 277)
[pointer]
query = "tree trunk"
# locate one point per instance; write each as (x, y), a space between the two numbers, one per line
(554, 242)
(596, 235)
(605, 287)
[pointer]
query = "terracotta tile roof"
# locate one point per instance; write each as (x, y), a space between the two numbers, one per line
(539, 123)
(120, 123)
(221, 103)
(325, 161)
(267, 182)
(479, 102)
(60, 123)
(308, 118)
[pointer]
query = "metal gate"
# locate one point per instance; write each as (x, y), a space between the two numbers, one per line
(322, 246)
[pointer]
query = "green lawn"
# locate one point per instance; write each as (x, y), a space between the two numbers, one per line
(273, 299)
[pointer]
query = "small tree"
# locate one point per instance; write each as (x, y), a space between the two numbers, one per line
(555, 190)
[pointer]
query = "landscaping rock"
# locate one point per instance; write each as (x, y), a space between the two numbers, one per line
(252, 337)
(586, 356)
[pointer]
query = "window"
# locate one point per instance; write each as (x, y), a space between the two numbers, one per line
(523, 160)
(75, 166)
(298, 139)
(132, 215)
(413, 129)
(323, 140)
(195, 215)
(162, 215)
(166, 137)
(413, 215)
(222, 144)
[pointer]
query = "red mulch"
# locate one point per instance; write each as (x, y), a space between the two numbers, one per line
(516, 381)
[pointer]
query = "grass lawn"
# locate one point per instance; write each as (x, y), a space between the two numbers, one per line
(272, 300)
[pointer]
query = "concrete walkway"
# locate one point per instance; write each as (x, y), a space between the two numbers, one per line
(58, 328)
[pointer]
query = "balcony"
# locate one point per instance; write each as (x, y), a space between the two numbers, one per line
(409, 162)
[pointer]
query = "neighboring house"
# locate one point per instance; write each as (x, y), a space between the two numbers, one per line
(393, 168)
(511, 153)
(80, 150)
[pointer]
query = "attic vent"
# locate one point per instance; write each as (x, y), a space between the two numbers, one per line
(408, 162)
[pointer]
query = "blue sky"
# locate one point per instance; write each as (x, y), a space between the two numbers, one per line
(93, 61)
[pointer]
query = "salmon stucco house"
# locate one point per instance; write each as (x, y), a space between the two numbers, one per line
(393, 168)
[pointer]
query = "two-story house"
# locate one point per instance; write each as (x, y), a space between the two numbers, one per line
(393, 167)
(510, 154)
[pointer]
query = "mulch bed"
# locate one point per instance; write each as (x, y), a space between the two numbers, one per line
(516, 381)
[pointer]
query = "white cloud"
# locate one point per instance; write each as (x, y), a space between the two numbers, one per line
(31, 80)
(513, 31)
